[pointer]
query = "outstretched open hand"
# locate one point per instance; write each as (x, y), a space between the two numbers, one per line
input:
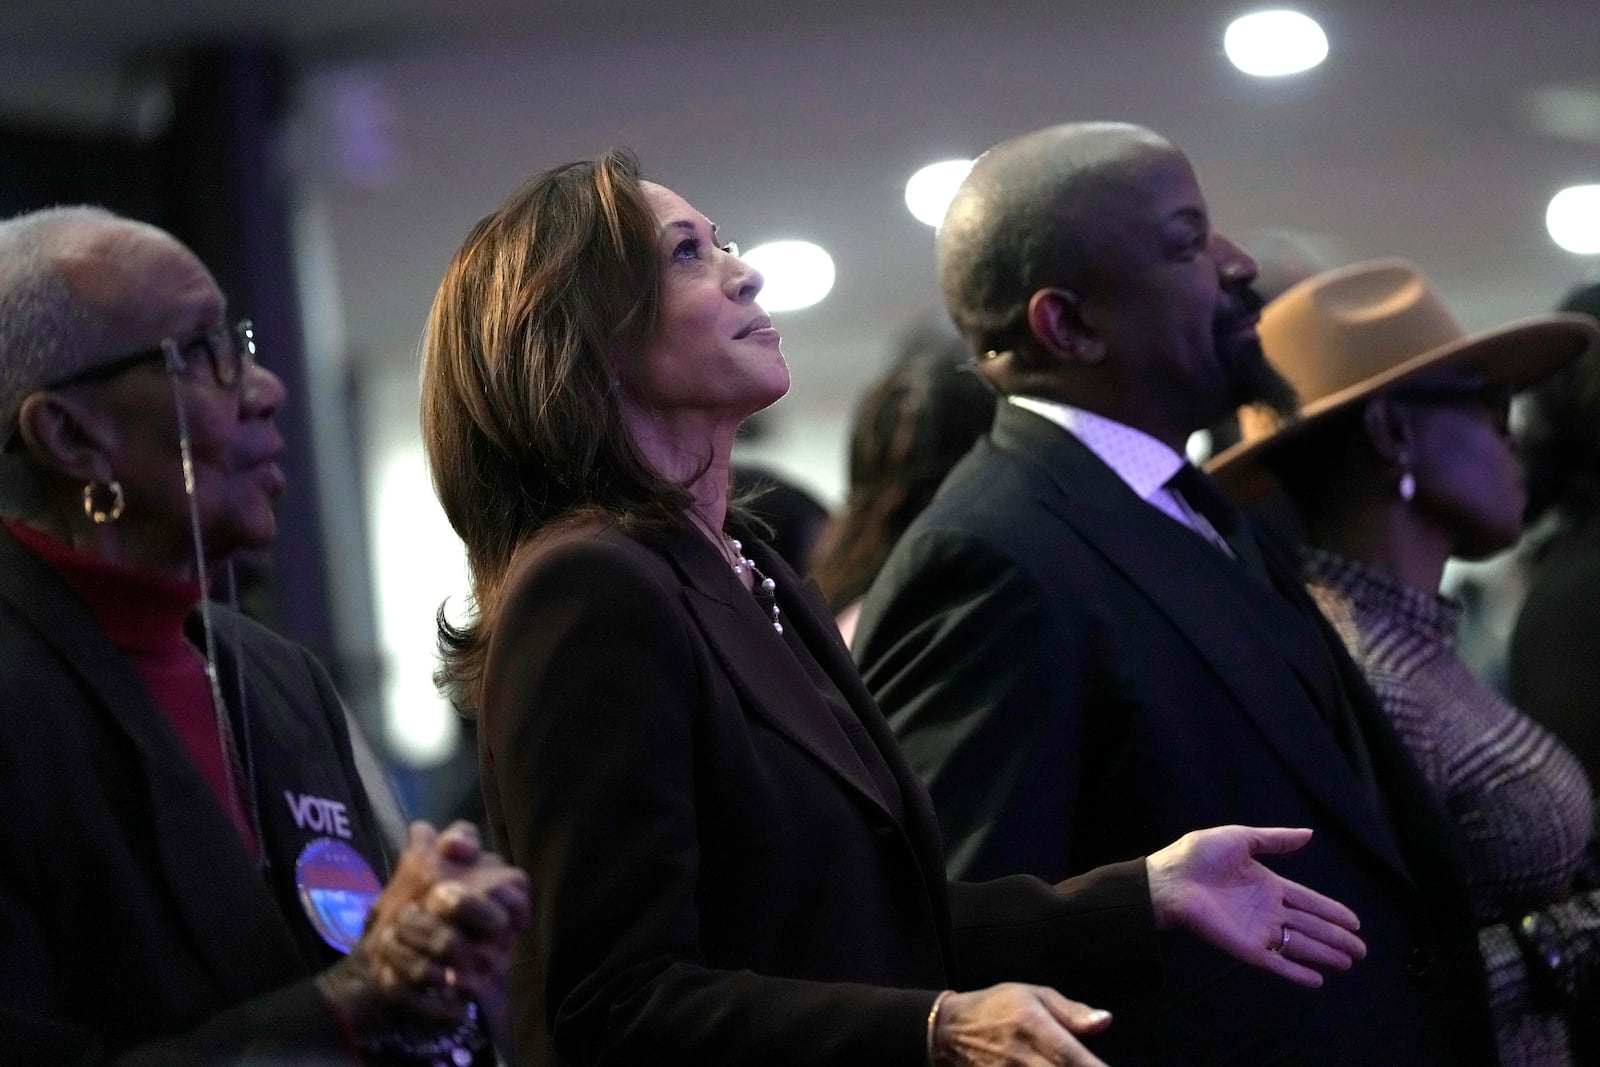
(1210, 883)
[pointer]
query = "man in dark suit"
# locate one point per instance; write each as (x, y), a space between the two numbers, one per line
(1085, 653)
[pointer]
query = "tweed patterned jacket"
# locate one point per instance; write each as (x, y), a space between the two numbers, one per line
(1519, 798)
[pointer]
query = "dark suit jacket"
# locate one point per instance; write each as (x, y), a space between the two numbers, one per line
(1555, 673)
(134, 927)
(717, 876)
(1079, 679)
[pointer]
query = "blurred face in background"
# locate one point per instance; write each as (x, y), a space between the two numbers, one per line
(1470, 481)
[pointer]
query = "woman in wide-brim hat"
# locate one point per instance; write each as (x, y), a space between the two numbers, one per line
(1401, 458)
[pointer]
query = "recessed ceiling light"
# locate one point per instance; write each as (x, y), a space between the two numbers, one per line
(929, 190)
(1269, 44)
(1571, 112)
(797, 274)
(1573, 219)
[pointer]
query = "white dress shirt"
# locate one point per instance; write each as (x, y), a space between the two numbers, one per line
(1144, 464)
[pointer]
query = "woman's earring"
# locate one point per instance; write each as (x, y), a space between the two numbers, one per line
(1408, 481)
(100, 516)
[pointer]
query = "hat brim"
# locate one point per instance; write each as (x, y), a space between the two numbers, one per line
(1517, 354)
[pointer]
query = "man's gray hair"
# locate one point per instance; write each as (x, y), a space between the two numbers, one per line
(47, 331)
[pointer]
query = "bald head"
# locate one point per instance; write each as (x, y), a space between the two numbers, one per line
(1018, 222)
(1082, 257)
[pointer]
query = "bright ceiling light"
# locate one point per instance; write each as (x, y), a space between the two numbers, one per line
(1573, 219)
(930, 190)
(797, 273)
(1272, 43)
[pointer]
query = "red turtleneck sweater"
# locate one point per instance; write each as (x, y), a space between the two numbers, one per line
(144, 617)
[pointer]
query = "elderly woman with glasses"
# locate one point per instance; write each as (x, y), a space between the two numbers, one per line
(1402, 458)
(190, 870)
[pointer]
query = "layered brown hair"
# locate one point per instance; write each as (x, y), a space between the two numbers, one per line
(521, 404)
(912, 426)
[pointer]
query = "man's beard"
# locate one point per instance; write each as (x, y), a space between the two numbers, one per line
(1252, 381)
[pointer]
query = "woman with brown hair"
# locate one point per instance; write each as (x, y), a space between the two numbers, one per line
(1402, 457)
(731, 861)
(910, 428)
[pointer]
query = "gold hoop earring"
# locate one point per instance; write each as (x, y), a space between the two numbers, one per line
(111, 514)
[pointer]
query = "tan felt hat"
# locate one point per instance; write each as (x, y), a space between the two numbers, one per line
(1346, 334)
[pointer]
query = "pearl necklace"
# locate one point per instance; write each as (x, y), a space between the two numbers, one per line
(766, 585)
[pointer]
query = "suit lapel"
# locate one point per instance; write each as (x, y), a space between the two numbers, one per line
(762, 668)
(225, 904)
(1418, 813)
(816, 628)
(1158, 557)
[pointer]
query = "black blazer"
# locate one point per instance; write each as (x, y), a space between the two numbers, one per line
(1080, 679)
(1554, 671)
(134, 927)
(718, 876)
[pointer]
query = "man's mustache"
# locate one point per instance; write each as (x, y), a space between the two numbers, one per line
(1252, 300)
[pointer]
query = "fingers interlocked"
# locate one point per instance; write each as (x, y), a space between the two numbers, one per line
(441, 936)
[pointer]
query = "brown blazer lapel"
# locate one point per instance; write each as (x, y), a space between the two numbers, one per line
(766, 674)
(201, 855)
(816, 627)
(1152, 553)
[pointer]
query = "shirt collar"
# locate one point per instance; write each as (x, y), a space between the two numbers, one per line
(1144, 463)
(1376, 590)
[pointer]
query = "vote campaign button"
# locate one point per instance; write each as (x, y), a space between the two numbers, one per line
(337, 889)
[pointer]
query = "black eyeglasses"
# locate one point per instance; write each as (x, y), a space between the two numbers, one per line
(230, 349)
(1493, 397)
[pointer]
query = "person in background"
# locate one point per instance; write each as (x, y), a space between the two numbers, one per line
(1402, 458)
(190, 872)
(910, 428)
(1554, 670)
(786, 517)
(731, 863)
(1085, 652)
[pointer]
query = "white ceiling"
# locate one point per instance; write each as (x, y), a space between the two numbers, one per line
(1435, 130)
